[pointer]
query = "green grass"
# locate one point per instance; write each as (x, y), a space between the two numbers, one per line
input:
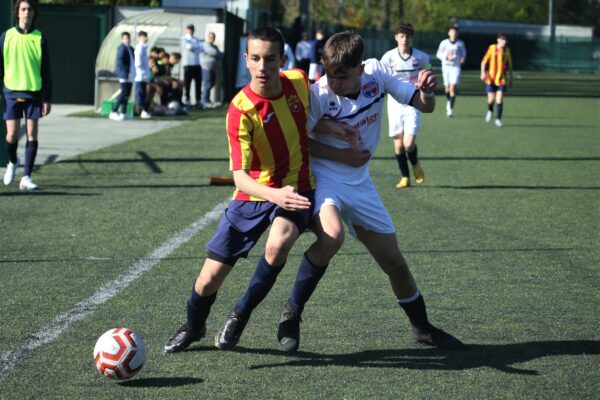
(502, 238)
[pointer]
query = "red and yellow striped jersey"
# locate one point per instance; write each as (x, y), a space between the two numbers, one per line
(498, 62)
(269, 137)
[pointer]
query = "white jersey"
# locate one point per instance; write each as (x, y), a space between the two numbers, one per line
(455, 49)
(409, 68)
(364, 112)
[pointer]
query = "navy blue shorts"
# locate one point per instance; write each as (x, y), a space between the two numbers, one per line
(491, 88)
(243, 223)
(16, 108)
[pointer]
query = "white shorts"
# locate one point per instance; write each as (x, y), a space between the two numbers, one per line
(358, 205)
(406, 119)
(451, 74)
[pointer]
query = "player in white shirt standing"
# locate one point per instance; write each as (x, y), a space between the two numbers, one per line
(404, 120)
(452, 53)
(351, 96)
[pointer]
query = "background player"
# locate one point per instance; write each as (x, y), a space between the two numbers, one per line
(352, 92)
(495, 65)
(452, 53)
(404, 120)
(25, 75)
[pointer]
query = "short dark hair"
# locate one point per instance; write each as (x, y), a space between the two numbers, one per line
(32, 3)
(341, 51)
(190, 26)
(125, 34)
(406, 28)
(267, 34)
(453, 26)
(503, 35)
(142, 33)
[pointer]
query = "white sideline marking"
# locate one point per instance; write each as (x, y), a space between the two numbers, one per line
(12, 358)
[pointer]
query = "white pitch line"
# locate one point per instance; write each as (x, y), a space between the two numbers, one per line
(12, 358)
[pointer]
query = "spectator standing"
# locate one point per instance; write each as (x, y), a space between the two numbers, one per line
(191, 48)
(315, 70)
(210, 61)
(303, 53)
(25, 75)
(142, 74)
(125, 70)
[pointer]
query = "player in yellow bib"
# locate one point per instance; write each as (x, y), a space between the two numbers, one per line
(26, 87)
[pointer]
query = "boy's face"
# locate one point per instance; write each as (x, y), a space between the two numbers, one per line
(501, 42)
(126, 40)
(26, 13)
(452, 34)
(263, 60)
(345, 82)
(403, 40)
(142, 38)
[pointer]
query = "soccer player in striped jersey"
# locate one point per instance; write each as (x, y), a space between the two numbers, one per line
(452, 53)
(352, 92)
(496, 72)
(404, 120)
(268, 149)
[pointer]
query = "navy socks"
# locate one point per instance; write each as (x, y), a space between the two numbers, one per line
(403, 164)
(413, 156)
(31, 149)
(261, 283)
(11, 149)
(198, 309)
(414, 307)
(307, 279)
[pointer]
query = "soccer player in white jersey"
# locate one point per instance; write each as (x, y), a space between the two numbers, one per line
(351, 94)
(452, 53)
(404, 120)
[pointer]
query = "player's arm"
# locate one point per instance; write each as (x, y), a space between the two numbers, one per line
(484, 64)
(239, 134)
(2, 61)
(423, 99)
(285, 197)
(441, 53)
(46, 78)
(509, 68)
(339, 130)
(463, 54)
(351, 157)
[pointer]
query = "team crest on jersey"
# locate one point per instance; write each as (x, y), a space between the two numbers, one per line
(294, 103)
(371, 89)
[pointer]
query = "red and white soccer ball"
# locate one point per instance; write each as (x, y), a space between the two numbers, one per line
(119, 353)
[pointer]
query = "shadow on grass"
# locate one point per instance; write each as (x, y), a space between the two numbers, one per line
(161, 382)
(500, 357)
(492, 158)
(42, 192)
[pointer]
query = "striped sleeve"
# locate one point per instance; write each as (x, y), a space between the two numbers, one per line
(239, 133)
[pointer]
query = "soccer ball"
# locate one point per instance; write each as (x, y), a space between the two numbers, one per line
(119, 353)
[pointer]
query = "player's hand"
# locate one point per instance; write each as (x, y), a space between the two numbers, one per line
(341, 131)
(356, 159)
(426, 81)
(288, 199)
(482, 76)
(46, 108)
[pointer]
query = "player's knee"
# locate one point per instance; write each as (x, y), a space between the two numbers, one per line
(278, 249)
(331, 242)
